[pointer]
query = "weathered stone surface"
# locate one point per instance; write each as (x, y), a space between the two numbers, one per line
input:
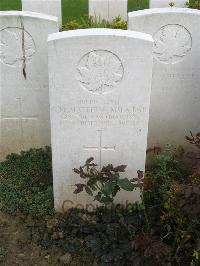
(24, 94)
(175, 98)
(50, 7)
(108, 9)
(99, 105)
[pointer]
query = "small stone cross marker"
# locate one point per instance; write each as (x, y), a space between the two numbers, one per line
(21, 118)
(100, 148)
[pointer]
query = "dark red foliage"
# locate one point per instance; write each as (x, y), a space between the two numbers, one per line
(149, 247)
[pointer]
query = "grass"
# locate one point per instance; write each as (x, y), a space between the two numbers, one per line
(73, 9)
(10, 5)
(137, 5)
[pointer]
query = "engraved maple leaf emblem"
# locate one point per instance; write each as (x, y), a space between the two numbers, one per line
(172, 42)
(15, 45)
(100, 71)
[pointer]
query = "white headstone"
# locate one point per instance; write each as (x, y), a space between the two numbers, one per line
(24, 93)
(108, 9)
(99, 104)
(175, 97)
(167, 3)
(50, 7)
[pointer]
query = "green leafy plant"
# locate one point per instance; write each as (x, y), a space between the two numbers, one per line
(160, 177)
(118, 23)
(171, 193)
(3, 252)
(193, 4)
(102, 184)
(71, 25)
(95, 22)
(26, 182)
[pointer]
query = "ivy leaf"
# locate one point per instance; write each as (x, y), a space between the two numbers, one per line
(125, 184)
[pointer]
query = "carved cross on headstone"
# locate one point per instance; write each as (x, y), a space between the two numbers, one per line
(21, 118)
(100, 147)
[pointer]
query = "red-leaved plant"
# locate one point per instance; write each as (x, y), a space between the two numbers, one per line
(104, 184)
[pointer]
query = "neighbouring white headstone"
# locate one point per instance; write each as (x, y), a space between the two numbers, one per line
(99, 104)
(175, 97)
(50, 7)
(167, 3)
(108, 9)
(24, 93)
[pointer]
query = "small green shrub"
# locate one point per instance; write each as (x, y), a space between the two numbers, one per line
(71, 25)
(118, 23)
(159, 178)
(193, 4)
(171, 196)
(94, 22)
(26, 182)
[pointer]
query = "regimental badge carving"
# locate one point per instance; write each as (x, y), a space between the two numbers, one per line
(16, 47)
(100, 71)
(172, 43)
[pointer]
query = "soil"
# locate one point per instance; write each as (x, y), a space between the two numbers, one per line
(19, 245)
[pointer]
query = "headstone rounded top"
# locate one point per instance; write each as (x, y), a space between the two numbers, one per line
(28, 14)
(99, 32)
(163, 11)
